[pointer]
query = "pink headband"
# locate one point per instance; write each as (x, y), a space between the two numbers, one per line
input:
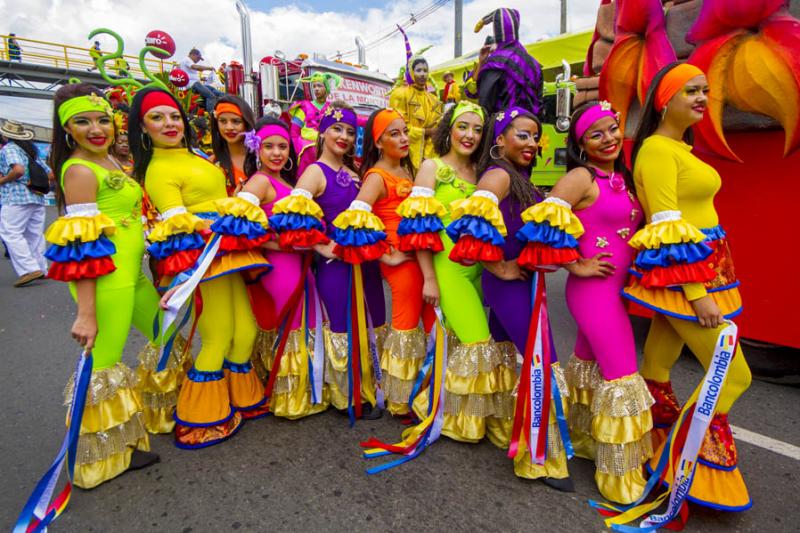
(592, 115)
(253, 140)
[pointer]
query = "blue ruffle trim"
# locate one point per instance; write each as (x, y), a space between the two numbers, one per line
(78, 251)
(424, 224)
(477, 227)
(200, 376)
(671, 254)
(294, 221)
(357, 236)
(238, 226)
(176, 243)
(239, 368)
(546, 234)
(207, 215)
(714, 234)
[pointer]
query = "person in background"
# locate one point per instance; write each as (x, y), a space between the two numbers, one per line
(451, 93)
(193, 67)
(22, 216)
(94, 55)
(13, 47)
(121, 151)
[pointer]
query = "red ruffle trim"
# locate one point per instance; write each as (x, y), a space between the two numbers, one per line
(240, 243)
(679, 274)
(76, 270)
(469, 250)
(302, 239)
(178, 262)
(361, 254)
(536, 255)
(420, 241)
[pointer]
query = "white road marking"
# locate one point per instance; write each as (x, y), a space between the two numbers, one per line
(756, 439)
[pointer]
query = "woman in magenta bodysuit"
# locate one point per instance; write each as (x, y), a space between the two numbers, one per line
(585, 226)
(291, 284)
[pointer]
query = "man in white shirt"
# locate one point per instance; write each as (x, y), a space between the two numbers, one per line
(192, 66)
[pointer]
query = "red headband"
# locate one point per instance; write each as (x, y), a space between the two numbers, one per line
(155, 99)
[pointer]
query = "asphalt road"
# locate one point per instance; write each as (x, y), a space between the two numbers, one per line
(277, 475)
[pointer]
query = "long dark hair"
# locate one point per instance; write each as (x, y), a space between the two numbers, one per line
(372, 154)
(441, 137)
(650, 119)
(574, 150)
(220, 145)
(251, 159)
(348, 159)
(522, 191)
(141, 154)
(59, 151)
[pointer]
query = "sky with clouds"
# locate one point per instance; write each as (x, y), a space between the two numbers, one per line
(308, 26)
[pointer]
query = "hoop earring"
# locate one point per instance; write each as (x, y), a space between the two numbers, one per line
(70, 142)
(149, 142)
(582, 156)
(663, 113)
(291, 165)
(258, 163)
(491, 152)
(448, 144)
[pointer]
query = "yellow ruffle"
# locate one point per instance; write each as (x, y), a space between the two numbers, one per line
(262, 352)
(420, 207)
(556, 215)
(624, 489)
(90, 475)
(234, 262)
(722, 489)
(667, 232)
(159, 390)
(357, 218)
(83, 229)
(674, 303)
(479, 206)
(239, 207)
(180, 223)
(299, 205)
(245, 389)
(336, 350)
(291, 395)
(205, 402)
(555, 465)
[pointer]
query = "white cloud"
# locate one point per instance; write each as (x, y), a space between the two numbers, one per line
(213, 26)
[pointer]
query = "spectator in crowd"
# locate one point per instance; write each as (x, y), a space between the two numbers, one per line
(193, 67)
(94, 55)
(23, 212)
(13, 47)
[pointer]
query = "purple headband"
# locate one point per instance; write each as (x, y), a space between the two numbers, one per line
(253, 140)
(504, 118)
(332, 116)
(592, 115)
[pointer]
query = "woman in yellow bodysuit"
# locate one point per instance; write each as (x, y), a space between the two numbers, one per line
(684, 272)
(189, 193)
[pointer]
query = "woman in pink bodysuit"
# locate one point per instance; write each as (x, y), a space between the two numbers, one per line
(585, 226)
(290, 284)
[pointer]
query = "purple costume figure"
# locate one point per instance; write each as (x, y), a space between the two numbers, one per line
(332, 282)
(508, 76)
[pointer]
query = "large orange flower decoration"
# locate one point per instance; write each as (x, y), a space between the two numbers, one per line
(750, 50)
(641, 48)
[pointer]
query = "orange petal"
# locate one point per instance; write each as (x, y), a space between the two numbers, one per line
(621, 72)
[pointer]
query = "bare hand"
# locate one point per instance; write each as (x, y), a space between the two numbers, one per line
(326, 250)
(506, 270)
(484, 52)
(430, 292)
(592, 266)
(84, 331)
(395, 257)
(164, 303)
(707, 311)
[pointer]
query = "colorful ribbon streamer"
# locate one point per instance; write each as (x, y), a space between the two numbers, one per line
(684, 438)
(416, 439)
(38, 512)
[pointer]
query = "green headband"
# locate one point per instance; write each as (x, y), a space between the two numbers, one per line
(467, 107)
(82, 104)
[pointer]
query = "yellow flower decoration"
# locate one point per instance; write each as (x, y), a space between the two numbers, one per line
(500, 116)
(544, 142)
(445, 174)
(514, 114)
(116, 179)
(338, 114)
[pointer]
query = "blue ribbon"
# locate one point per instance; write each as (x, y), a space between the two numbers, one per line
(42, 493)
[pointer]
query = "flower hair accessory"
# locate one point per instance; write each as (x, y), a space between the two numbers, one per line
(252, 141)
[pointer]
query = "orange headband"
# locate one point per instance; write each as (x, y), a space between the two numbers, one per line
(382, 121)
(227, 107)
(673, 81)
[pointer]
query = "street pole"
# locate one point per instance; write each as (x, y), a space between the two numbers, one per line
(248, 91)
(459, 5)
(563, 16)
